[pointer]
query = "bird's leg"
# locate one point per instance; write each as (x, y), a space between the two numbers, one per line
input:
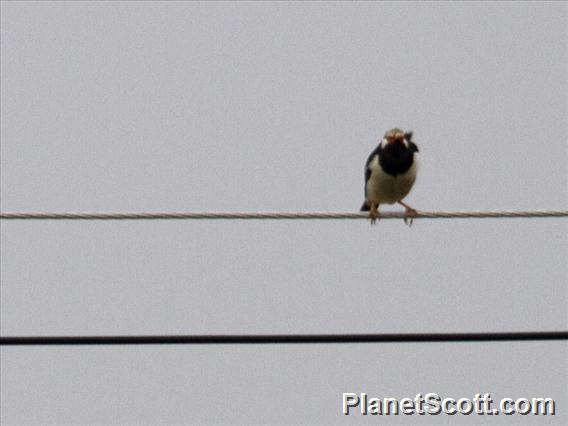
(409, 213)
(374, 212)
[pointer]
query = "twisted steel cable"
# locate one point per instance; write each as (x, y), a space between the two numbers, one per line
(276, 215)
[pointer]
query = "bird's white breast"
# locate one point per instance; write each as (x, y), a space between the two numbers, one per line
(385, 188)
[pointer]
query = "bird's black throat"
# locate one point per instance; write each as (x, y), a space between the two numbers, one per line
(397, 158)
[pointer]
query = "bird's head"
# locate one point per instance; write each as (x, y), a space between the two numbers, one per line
(395, 137)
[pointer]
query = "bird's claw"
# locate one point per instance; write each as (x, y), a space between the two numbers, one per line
(409, 216)
(374, 214)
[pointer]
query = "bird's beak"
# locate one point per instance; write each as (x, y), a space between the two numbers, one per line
(398, 138)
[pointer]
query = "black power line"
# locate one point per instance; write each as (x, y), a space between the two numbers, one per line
(263, 339)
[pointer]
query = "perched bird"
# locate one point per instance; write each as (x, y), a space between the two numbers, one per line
(390, 173)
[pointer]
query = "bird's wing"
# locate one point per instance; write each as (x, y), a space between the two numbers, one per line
(376, 151)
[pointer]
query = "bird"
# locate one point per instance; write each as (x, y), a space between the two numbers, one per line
(390, 173)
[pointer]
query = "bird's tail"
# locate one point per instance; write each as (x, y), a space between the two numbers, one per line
(365, 207)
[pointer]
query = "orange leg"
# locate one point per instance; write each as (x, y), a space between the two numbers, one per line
(374, 213)
(409, 213)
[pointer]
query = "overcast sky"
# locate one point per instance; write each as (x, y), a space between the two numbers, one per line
(182, 106)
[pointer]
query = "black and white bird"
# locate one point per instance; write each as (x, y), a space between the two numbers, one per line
(390, 173)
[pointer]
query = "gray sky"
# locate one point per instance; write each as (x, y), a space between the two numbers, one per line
(179, 106)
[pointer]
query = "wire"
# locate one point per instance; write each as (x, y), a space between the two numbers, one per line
(263, 339)
(279, 338)
(275, 215)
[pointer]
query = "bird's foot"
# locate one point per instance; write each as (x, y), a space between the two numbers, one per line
(409, 215)
(374, 213)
